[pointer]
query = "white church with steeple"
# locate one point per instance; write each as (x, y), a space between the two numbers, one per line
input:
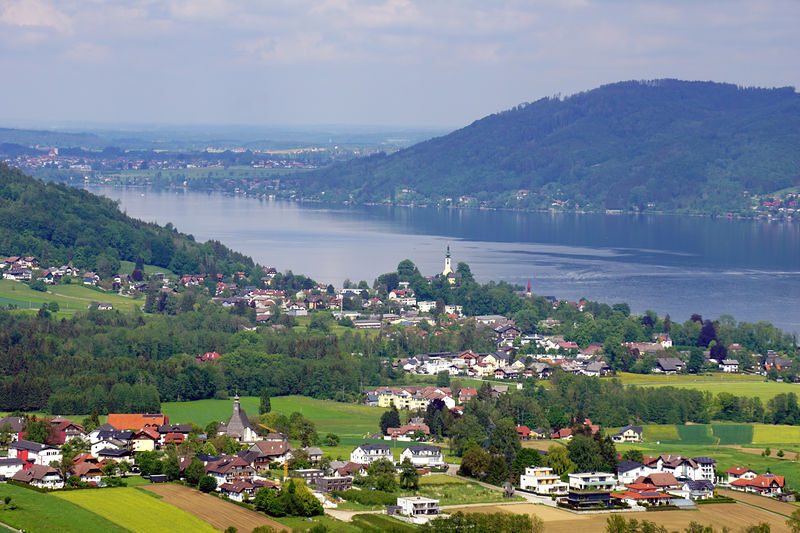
(447, 267)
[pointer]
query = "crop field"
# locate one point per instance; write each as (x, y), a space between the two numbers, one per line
(767, 434)
(70, 298)
(37, 512)
(661, 433)
(684, 379)
(217, 512)
(329, 416)
(134, 510)
(734, 516)
(733, 433)
(695, 434)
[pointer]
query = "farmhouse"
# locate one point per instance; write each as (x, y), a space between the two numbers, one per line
(764, 484)
(739, 472)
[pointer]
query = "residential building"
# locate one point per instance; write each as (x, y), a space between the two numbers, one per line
(764, 484)
(592, 481)
(332, 483)
(418, 507)
(366, 454)
(34, 452)
(542, 480)
(10, 466)
(628, 434)
(729, 365)
(135, 422)
(42, 476)
(739, 472)
(423, 455)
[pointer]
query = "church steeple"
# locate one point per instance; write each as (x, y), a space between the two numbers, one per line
(447, 268)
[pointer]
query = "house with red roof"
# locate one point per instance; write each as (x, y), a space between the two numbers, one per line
(524, 432)
(135, 422)
(740, 472)
(764, 484)
(208, 357)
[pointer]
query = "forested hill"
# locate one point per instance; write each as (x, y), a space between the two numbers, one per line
(659, 145)
(59, 225)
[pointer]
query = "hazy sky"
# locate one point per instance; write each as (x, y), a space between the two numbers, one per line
(439, 63)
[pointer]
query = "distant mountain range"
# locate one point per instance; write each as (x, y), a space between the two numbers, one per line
(664, 145)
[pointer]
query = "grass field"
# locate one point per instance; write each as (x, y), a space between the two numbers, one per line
(344, 419)
(217, 512)
(135, 511)
(695, 434)
(733, 433)
(682, 379)
(127, 267)
(47, 513)
(70, 298)
(767, 434)
(760, 389)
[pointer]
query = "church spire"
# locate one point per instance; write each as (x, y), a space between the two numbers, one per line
(447, 268)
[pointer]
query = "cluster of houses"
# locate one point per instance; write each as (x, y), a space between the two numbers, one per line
(418, 398)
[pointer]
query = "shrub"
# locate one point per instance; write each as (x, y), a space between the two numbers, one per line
(207, 484)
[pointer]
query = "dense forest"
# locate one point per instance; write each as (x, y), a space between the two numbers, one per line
(668, 145)
(61, 225)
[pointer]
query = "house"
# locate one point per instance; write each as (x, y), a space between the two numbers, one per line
(64, 430)
(466, 394)
(108, 444)
(314, 453)
(14, 425)
(668, 365)
(542, 480)
(145, 440)
(628, 434)
(308, 475)
(524, 432)
(729, 365)
(229, 469)
(238, 427)
(208, 357)
(565, 433)
(643, 493)
(630, 471)
(764, 484)
(592, 481)
(369, 453)
(597, 368)
(42, 476)
(87, 472)
(114, 454)
(10, 466)
(274, 448)
(739, 472)
(34, 452)
(332, 483)
(418, 508)
(351, 469)
(239, 491)
(701, 489)
(423, 455)
(407, 432)
(176, 433)
(662, 480)
(135, 422)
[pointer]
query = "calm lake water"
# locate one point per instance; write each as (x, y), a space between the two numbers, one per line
(670, 264)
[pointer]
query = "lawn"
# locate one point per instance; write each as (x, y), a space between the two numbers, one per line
(38, 512)
(134, 510)
(70, 298)
(454, 491)
(344, 419)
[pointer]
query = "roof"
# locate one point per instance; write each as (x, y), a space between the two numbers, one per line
(367, 447)
(627, 466)
(637, 429)
(415, 450)
(238, 423)
(35, 473)
(270, 448)
(30, 446)
(136, 422)
(17, 423)
(669, 363)
(700, 484)
(738, 470)
(659, 479)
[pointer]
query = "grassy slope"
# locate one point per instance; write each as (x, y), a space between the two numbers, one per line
(136, 510)
(47, 513)
(70, 298)
(344, 419)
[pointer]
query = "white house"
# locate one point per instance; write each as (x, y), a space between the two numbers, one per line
(629, 471)
(419, 508)
(41, 476)
(628, 434)
(729, 365)
(33, 452)
(9, 467)
(369, 453)
(542, 480)
(592, 481)
(423, 455)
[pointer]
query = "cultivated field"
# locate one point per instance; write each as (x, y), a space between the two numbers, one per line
(760, 389)
(769, 504)
(217, 512)
(134, 510)
(684, 379)
(733, 515)
(37, 512)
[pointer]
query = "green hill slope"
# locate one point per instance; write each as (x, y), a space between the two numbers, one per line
(59, 224)
(665, 145)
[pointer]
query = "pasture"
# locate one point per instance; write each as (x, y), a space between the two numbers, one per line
(37, 512)
(70, 298)
(765, 390)
(132, 509)
(628, 378)
(344, 419)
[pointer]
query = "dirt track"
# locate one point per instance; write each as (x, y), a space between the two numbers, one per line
(218, 513)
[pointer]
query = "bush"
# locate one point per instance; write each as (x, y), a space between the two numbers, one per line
(207, 484)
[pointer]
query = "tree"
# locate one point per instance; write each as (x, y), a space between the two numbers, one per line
(696, 361)
(525, 457)
(475, 462)
(558, 459)
(6, 435)
(584, 453)
(207, 484)
(505, 439)
(794, 521)
(484, 523)
(633, 455)
(409, 477)
(265, 405)
(332, 439)
(172, 468)
(36, 430)
(390, 419)
(443, 379)
(195, 471)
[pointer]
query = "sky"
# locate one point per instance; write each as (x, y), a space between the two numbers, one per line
(406, 63)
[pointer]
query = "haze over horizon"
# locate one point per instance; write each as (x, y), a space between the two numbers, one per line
(390, 63)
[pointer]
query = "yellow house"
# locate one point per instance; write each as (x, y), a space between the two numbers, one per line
(144, 440)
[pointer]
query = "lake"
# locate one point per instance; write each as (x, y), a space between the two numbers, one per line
(670, 264)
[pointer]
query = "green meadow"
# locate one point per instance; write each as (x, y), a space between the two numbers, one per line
(39, 512)
(70, 298)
